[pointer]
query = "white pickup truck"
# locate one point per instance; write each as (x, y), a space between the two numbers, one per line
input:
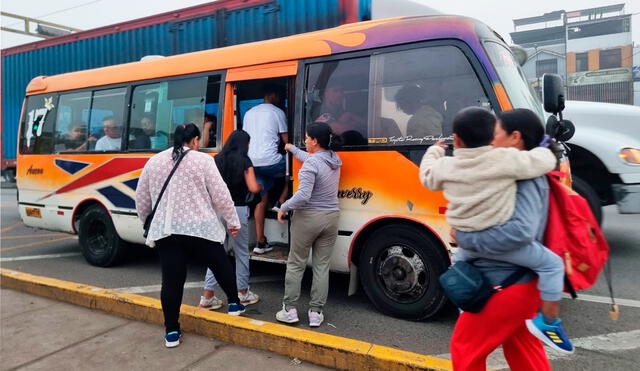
(605, 154)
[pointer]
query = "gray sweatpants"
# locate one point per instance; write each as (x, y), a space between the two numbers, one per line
(548, 266)
(314, 230)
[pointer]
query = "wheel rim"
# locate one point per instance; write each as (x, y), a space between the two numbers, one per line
(97, 240)
(402, 273)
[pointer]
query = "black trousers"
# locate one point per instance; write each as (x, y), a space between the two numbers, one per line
(175, 251)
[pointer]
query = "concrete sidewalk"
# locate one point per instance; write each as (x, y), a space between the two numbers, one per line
(318, 348)
(37, 333)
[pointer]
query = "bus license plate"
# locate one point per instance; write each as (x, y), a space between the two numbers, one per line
(33, 212)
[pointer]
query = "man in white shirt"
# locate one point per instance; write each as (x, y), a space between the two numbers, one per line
(112, 139)
(266, 125)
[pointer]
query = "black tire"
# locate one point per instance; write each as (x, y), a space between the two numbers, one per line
(99, 241)
(585, 190)
(399, 269)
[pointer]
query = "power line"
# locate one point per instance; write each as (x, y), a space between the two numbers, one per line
(60, 11)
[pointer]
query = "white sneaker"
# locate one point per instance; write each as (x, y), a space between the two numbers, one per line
(287, 316)
(262, 247)
(248, 298)
(212, 303)
(315, 318)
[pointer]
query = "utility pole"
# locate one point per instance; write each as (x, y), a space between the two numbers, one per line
(44, 29)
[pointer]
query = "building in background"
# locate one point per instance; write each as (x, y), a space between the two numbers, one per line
(591, 49)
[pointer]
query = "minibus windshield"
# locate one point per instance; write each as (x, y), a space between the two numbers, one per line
(513, 80)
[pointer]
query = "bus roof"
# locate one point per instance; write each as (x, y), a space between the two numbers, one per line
(350, 37)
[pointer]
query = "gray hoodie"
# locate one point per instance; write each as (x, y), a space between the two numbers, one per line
(318, 178)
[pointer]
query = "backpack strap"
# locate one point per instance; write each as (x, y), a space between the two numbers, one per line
(569, 287)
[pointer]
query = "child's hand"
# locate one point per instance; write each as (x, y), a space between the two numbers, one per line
(440, 143)
(452, 237)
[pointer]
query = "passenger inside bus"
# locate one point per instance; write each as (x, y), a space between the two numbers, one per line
(335, 112)
(425, 120)
(143, 134)
(112, 140)
(209, 132)
(75, 139)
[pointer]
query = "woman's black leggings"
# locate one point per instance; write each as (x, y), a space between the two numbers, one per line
(175, 252)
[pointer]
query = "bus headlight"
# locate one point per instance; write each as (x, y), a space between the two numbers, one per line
(631, 155)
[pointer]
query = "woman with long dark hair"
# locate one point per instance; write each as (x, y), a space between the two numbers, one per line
(314, 225)
(502, 321)
(237, 172)
(186, 222)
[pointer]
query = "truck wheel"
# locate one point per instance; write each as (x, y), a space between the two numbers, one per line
(585, 190)
(99, 241)
(399, 270)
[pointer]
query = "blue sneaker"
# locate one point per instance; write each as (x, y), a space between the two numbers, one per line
(236, 309)
(552, 335)
(172, 339)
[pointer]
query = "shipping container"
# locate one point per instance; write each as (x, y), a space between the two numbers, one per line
(206, 26)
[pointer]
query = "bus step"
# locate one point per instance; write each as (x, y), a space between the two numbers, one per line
(279, 254)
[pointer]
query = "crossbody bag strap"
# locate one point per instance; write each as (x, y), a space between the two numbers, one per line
(166, 182)
(512, 278)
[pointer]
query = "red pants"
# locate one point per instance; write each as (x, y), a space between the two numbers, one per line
(501, 322)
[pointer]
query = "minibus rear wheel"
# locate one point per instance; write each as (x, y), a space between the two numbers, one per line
(399, 269)
(101, 246)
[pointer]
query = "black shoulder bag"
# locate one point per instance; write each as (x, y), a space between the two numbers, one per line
(147, 222)
(469, 289)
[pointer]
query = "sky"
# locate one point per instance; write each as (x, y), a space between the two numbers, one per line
(88, 14)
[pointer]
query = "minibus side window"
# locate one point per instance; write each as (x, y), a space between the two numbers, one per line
(72, 122)
(38, 125)
(106, 120)
(337, 93)
(415, 104)
(156, 110)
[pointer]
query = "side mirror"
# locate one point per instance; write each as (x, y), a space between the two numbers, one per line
(553, 93)
(560, 130)
(519, 53)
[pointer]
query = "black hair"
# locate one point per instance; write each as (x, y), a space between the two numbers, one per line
(474, 126)
(271, 88)
(409, 98)
(529, 125)
(526, 122)
(322, 132)
(210, 117)
(184, 134)
(234, 154)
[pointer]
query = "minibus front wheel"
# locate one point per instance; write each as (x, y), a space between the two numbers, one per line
(101, 246)
(399, 269)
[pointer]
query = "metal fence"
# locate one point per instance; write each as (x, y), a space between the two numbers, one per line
(614, 92)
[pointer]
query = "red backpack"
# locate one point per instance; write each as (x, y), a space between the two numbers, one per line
(574, 234)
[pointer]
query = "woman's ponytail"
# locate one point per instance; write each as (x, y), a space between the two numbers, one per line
(181, 136)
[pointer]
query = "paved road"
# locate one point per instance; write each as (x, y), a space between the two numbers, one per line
(604, 344)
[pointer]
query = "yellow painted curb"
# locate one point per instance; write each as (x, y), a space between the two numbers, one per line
(323, 349)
